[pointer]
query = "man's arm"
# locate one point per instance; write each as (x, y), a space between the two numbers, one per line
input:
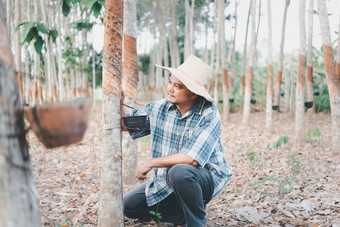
(167, 161)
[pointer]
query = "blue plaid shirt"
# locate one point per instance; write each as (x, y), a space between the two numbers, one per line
(196, 134)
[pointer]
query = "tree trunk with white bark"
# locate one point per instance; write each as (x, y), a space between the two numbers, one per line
(130, 85)
(269, 99)
(19, 205)
(300, 103)
(249, 84)
(110, 211)
(333, 78)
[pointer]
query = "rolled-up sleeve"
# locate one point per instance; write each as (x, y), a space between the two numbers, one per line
(203, 140)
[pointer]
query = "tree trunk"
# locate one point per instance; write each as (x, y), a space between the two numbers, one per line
(244, 58)
(177, 61)
(17, 46)
(310, 83)
(277, 92)
(269, 101)
(110, 211)
(60, 61)
(223, 60)
(130, 85)
(248, 91)
(19, 205)
(333, 79)
(187, 30)
(233, 53)
(300, 107)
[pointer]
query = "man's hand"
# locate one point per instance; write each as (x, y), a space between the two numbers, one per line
(142, 170)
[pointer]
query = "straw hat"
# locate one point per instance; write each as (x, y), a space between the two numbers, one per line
(193, 73)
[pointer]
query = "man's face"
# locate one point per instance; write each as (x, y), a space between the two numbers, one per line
(178, 93)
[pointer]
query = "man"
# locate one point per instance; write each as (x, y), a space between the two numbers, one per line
(187, 156)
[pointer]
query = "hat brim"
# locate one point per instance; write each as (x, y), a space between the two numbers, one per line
(192, 85)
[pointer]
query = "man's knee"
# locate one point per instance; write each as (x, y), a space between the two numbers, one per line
(180, 174)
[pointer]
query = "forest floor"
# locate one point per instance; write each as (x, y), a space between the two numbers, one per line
(274, 183)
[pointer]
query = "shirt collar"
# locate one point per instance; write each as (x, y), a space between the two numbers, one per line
(197, 108)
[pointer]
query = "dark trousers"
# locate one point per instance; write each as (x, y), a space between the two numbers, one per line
(193, 188)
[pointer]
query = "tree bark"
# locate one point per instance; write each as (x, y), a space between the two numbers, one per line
(110, 211)
(244, 57)
(310, 83)
(300, 107)
(277, 92)
(248, 90)
(177, 61)
(19, 205)
(333, 79)
(269, 99)
(221, 20)
(233, 53)
(130, 85)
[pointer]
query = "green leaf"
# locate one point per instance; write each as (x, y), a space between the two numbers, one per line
(285, 139)
(54, 34)
(38, 44)
(309, 134)
(96, 9)
(317, 133)
(27, 25)
(102, 2)
(42, 28)
(89, 3)
(66, 8)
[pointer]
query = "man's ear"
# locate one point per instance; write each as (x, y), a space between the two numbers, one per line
(193, 96)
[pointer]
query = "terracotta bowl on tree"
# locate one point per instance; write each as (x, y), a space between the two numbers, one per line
(60, 124)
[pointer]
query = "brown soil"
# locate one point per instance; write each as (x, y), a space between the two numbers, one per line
(273, 183)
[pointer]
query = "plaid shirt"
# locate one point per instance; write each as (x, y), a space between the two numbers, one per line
(196, 134)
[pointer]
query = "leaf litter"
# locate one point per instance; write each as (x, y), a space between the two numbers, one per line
(274, 183)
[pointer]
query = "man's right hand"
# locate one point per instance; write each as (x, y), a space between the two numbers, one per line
(142, 171)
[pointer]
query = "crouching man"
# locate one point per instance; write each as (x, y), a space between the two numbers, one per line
(187, 157)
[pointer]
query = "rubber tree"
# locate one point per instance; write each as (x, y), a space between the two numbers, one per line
(233, 53)
(244, 58)
(277, 92)
(19, 205)
(333, 78)
(110, 211)
(300, 86)
(176, 59)
(249, 84)
(221, 20)
(269, 97)
(130, 85)
(310, 83)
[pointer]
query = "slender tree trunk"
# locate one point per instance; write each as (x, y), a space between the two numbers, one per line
(310, 83)
(248, 91)
(300, 107)
(17, 46)
(233, 53)
(269, 101)
(19, 205)
(333, 79)
(217, 75)
(244, 60)
(94, 78)
(60, 61)
(130, 85)
(213, 48)
(174, 35)
(192, 13)
(187, 30)
(221, 19)
(110, 211)
(277, 92)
